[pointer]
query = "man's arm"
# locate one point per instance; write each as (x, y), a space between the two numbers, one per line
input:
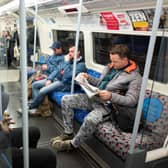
(132, 94)
(53, 75)
(5, 123)
(80, 67)
(5, 130)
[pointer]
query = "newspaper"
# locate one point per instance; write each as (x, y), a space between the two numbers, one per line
(89, 89)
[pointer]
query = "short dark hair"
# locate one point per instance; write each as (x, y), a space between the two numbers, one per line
(73, 45)
(121, 49)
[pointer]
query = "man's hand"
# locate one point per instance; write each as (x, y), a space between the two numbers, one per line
(5, 123)
(84, 75)
(48, 82)
(68, 57)
(105, 95)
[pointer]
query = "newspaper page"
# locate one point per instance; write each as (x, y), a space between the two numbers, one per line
(89, 89)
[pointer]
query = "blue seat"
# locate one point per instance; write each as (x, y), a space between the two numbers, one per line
(57, 96)
(42, 60)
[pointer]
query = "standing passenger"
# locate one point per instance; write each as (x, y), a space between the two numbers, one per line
(119, 87)
(3, 48)
(10, 48)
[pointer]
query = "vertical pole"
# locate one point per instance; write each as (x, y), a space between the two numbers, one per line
(35, 33)
(23, 63)
(146, 73)
(0, 102)
(76, 44)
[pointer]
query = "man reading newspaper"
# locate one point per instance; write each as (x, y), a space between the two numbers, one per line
(89, 89)
(119, 88)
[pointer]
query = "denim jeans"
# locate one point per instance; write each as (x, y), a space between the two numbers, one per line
(39, 90)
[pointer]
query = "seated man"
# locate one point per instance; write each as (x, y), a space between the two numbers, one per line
(43, 158)
(48, 68)
(59, 80)
(52, 61)
(119, 87)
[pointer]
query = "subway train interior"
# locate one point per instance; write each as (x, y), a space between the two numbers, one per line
(28, 29)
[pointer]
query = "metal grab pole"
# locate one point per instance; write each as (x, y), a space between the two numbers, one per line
(0, 102)
(146, 73)
(35, 33)
(76, 44)
(23, 63)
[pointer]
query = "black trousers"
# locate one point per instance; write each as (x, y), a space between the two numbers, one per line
(38, 157)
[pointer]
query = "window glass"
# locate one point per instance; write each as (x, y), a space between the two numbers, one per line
(138, 45)
(67, 38)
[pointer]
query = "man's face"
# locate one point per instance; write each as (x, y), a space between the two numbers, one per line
(57, 51)
(72, 52)
(118, 62)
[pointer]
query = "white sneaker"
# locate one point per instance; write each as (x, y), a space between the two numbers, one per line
(33, 112)
(19, 111)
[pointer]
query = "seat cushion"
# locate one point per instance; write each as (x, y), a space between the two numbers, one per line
(119, 141)
(157, 115)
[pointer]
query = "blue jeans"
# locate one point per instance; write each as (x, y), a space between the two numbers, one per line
(39, 90)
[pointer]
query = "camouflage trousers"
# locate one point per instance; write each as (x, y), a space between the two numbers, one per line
(97, 114)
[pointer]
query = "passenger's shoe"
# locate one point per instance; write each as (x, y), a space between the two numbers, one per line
(19, 111)
(34, 112)
(62, 137)
(31, 112)
(62, 145)
(44, 113)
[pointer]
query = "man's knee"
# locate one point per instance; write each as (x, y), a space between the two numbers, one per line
(34, 85)
(66, 99)
(91, 120)
(43, 91)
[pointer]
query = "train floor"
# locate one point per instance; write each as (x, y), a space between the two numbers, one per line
(48, 128)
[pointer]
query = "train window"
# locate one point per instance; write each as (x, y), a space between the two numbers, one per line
(138, 45)
(67, 38)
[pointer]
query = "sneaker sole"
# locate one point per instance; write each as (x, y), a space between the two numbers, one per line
(58, 147)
